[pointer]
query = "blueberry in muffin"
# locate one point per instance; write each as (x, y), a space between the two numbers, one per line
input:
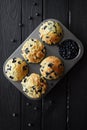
(34, 85)
(51, 68)
(16, 69)
(51, 32)
(33, 51)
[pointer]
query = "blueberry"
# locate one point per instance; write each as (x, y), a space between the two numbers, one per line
(45, 27)
(19, 62)
(41, 70)
(26, 90)
(47, 36)
(10, 77)
(26, 51)
(49, 23)
(41, 80)
(47, 74)
(50, 77)
(60, 34)
(68, 49)
(25, 67)
(30, 45)
(32, 39)
(56, 73)
(54, 26)
(33, 87)
(43, 50)
(40, 90)
(50, 65)
(9, 68)
(25, 80)
(14, 60)
(27, 60)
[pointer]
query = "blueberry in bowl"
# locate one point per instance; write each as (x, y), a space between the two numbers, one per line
(68, 49)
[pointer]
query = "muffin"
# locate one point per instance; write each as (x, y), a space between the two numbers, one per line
(34, 85)
(33, 51)
(51, 68)
(51, 32)
(16, 69)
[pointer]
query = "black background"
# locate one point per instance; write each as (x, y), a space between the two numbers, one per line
(65, 107)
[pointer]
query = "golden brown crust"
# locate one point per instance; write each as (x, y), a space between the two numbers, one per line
(51, 67)
(34, 85)
(51, 32)
(16, 69)
(33, 51)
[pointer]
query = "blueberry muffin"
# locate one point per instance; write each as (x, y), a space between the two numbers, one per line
(51, 68)
(16, 69)
(68, 49)
(51, 32)
(33, 51)
(34, 85)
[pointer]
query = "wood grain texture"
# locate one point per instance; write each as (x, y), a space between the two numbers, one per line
(54, 105)
(9, 95)
(29, 113)
(57, 9)
(16, 111)
(77, 77)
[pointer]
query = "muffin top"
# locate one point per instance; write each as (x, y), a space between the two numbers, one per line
(16, 69)
(51, 68)
(33, 51)
(51, 32)
(34, 85)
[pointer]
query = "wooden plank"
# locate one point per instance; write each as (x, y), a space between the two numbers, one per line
(31, 110)
(78, 79)
(54, 105)
(56, 9)
(10, 36)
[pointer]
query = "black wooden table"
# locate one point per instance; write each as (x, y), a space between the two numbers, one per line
(65, 107)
